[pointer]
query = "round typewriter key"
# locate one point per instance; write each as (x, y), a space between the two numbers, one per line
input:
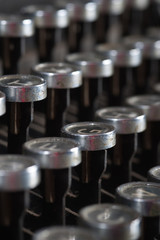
(83, 15)
(67, 233)
(154, 174)
(127, 60)
(21, 91)
(109, 24)
(149, 140)
(96, 70)
(18, 174)
(14, 30)
(95, 139)
(2, 103)
(128, 122)
(61, 78)
(51, 25)
(110, 221)
(56, 156)
(149, 71)
(144, 197)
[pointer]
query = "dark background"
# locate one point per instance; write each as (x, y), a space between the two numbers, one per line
(14, 6)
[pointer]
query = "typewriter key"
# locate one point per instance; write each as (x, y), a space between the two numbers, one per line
(149, 140)
(95, 139)
(61, 78)
(67, 233)
(14, 30)
(111, 221)
(128, 122)
(56, 157)
(144, 197)
(149, 69)
(18, 174)
(51, 34)
(2, 103)
(126, 60)
(21, 91)
(96, 70)
(154, 174)
(83, 15)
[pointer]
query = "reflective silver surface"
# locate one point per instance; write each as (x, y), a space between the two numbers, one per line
(122, 55)
(2, 103)
(45, 15)
(64, 233)
(154, 174)
(148, 103)
(111, 221)
(92, 64)
(18, 172)
(114, 7)
(54, 153)
(86, 11)
(144, 197)
(92, 136)
(15, 26)
(126, 120)
(59, 75)
(23, 88)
